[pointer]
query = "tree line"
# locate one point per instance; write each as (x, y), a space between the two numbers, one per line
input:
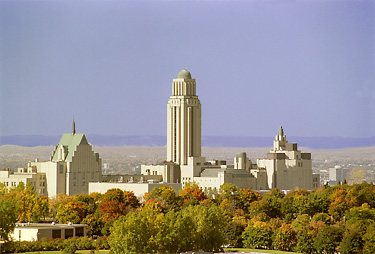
(325, 220)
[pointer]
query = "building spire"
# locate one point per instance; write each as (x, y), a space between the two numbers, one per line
(281, 131)
(73, 127)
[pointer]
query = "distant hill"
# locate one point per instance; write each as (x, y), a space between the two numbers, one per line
(209, 141)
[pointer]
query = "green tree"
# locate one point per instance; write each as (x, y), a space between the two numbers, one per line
(245, 197)
(322, 217)
(274, 198)
(234, 230)
(26, 199)
(40, 209)
(113, 195)
(319, 200)
(3, 189)
(285, 238)
(257, 235)
(88, 200)
(164, 194)
(305, 233)
(328, 239)
(228, 191)
(94, 223)
(363, 213)
(352, 241)
(210, 224)
(73, 212)
(369, 239)
(364, 193)
(295, 203)
(193, 228)
(260, 209)
(8, 216)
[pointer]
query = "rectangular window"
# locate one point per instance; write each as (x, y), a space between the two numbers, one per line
(83, 175)
(61, 169)
(92, 175)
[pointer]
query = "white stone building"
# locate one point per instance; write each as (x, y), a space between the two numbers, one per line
(184, 161)
(286, 166)
(37, 231)
(72, 166)
(27, 175)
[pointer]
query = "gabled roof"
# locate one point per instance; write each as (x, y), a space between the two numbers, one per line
(70, 142)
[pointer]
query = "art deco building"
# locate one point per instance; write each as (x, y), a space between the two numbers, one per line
(72, 166)
(184, 120)
(184, 162)
(287, 167)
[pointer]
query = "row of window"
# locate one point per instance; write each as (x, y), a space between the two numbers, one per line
(83, 175)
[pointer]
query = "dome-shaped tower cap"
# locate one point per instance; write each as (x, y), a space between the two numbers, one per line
(184, 74)
(240, 154)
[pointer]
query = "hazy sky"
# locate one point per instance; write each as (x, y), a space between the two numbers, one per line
(306, 65)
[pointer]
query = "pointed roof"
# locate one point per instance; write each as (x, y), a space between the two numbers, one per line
(74, 127)
(70, 142)
(281, 131)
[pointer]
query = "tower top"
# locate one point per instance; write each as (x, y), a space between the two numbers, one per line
(184, 74)
(281, 131)
(73, 127)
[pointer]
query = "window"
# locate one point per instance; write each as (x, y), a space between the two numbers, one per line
(92, 175)
(83, 175)
(61, 169)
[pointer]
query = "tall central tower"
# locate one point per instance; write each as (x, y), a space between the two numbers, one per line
(184, 120)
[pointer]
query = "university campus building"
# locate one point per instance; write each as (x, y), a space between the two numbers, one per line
(285, 167)
(72, 166)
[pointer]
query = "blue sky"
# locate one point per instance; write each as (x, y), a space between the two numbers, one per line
(306, 65)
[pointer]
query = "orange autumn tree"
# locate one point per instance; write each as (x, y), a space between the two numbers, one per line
(111, 210)
(130, 199)
(341, 202)
(192, 195)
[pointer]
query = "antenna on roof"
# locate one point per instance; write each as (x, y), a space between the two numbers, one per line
(73, 127)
